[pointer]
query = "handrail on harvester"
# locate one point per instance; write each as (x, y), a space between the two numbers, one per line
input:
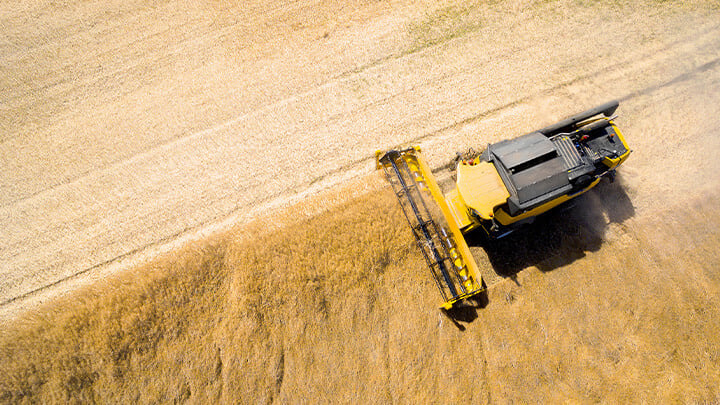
(446, 253)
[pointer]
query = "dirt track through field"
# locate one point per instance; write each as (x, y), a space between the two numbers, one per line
(127, 127)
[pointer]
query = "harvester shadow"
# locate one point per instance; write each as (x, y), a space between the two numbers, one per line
(560, 236)
(467, 310)
(556, 238)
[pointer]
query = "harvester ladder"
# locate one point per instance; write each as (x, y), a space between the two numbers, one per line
(568, 151)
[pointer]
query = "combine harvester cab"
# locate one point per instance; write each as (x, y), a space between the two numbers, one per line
(507, 185)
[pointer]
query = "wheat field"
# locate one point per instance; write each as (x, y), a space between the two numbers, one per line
(141, 124)
(339, 308)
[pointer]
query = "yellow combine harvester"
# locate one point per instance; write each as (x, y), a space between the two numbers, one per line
(500, 189)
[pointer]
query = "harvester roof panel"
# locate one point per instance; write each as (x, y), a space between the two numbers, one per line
(527, 148)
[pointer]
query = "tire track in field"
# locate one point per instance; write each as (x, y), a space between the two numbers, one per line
(111, 70)
(353, 165)
(648, 57)
(312, 93)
